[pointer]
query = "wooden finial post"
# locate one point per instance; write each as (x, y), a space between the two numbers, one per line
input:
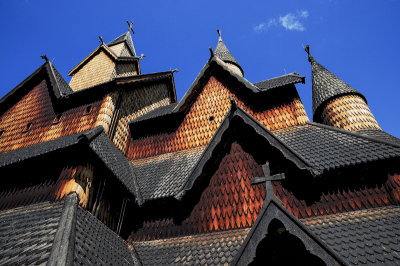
(44, 57)
(219, 33)
(101, 40)
(307, 49)
(310, 58)
(211, 51)
(130, 24)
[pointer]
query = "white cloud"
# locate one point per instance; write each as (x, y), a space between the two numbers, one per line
(290, 21)
(303, 13)
(265, 25)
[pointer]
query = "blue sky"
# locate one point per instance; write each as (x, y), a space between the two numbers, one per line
(356, 40)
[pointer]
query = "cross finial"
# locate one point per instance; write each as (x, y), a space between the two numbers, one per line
(101, 40)
(130, 24)
(267, 178)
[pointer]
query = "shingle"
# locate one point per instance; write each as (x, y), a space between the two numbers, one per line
(205, 249)
(161, 111)
(327, 148)
(96, 244)
(326, 85)
(222, 52)
(380, 135)
(27, 233)
(115, 160)
(126, 37)
(288, 79)
(164, 175)
(337, 230)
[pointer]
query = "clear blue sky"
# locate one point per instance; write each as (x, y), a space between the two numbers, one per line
(356, 40)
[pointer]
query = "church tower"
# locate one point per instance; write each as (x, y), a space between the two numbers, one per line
(336, 103)
(115, 59)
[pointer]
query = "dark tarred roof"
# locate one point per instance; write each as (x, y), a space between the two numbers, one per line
(216, 248)
(127, 38)
(326, 86)
(289, 79)
(365, 237)
(96, 140)
(327, 148)
(223, 53)
(38, 233)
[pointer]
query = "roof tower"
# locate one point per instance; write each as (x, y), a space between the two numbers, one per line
(336, 103)
(222, 52)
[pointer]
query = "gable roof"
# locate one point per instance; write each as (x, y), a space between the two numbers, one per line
(55, 232)
(62, 95)
(327, 148)
(216, 64)
(103, 47)
(273, 209)
(326, 86)
(312, 147)
(56, 83)
(95, 140)
(127, 38)
(288, 79)
(172, 174)
(361, 237)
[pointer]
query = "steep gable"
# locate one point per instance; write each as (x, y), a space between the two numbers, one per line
(203, 108)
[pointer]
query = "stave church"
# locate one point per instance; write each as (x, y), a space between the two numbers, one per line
(111, 169)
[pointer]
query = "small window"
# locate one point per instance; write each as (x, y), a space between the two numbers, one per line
(88, 109)
(28, 127)
(211, 118)
(57, 119)
(1, 133)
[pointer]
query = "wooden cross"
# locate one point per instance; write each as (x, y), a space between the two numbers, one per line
(130, 24)
(267, 178)
(101, 39)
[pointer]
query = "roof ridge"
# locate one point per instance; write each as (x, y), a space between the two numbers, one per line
(289, 74)
(353, 134)
(63, 247)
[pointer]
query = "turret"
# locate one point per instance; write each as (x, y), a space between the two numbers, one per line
(336, 103)
(222, 52)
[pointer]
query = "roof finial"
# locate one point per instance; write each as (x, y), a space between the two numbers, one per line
(44, 57)
(101, 40)
(130, 24)
(211, 52)
(307, 48)
(219, 33)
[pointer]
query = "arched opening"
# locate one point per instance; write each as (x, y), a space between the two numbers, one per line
(279, 247)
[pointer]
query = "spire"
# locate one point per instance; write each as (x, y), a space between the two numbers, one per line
(222, 52)
(127, 38)
(326, 85)
(337, 104)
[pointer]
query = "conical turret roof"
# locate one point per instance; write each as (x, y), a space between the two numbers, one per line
(127, 38)
(222, 52)
(326, 85)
